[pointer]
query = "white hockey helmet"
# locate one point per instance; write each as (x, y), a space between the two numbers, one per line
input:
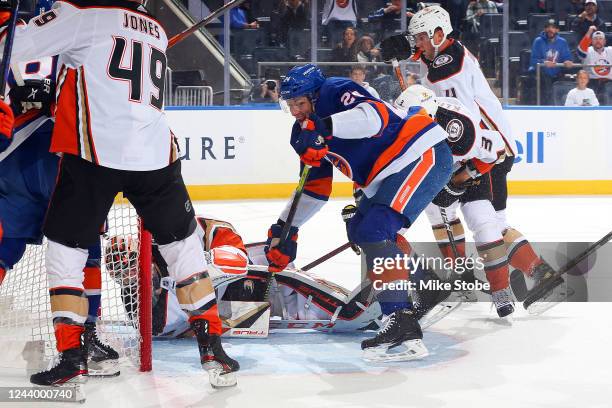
(428, 20)
(418, 95)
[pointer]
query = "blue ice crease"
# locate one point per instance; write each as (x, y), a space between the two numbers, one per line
(301, 353)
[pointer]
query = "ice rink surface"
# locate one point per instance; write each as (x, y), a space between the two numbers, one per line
(561, 359)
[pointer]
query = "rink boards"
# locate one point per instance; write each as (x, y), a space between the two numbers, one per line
(241, 152)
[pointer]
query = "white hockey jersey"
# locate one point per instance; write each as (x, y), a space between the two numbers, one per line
(465, 136)
(110, 84)
(455, 72)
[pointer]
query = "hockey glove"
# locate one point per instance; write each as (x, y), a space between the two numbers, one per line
(310, 145)
(348, 212)
(396, 47)
(455, 188)
(7, 121)
(279, 254)
(34, 94)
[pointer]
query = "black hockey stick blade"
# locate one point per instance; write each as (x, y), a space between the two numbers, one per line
(538, 292)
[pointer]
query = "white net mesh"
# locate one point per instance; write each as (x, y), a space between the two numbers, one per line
(25, 312)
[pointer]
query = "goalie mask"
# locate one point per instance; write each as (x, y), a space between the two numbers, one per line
(428, 20)
(121, 259)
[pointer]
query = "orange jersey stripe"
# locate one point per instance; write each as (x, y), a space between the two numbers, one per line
(322, 186)
(482, 167)
(381, 108)
(413, 125)
(22, 119)
(65, 136)
(414, 179)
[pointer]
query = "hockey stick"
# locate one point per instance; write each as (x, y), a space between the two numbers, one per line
(327, 256)
(285, 231)
(538, 292)
(8, 47)
(187, 32)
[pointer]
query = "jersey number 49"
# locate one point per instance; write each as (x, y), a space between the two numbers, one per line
(117, 69)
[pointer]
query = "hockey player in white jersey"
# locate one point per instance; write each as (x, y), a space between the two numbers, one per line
(450, 70)
(475, 152)
(27, 176)
(114, 138)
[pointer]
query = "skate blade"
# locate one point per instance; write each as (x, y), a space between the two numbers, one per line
(550, 300)
(106, 368)
(406, 351)
(438, 312)
(220, 379)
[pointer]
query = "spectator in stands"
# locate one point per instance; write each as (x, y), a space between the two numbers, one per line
(366, 52)
(241, 17)
(581, 95)
(358, 74)
(267, 92)
(389, 15)
(587, 19)
(592, 50)
(477, 8)
(293, 16)
(575, 7)
(548, 48)
(456, 10)
(338, 15)
(346, 51)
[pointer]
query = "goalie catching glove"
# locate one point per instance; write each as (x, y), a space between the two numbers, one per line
(278, 254)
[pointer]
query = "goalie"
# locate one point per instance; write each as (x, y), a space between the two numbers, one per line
(299, 300)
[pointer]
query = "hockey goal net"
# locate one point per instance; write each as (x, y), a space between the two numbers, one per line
(125, 315)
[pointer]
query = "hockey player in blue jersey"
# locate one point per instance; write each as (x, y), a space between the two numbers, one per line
(398, 162)
(27, 177)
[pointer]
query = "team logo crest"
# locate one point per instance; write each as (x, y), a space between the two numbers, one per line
(602, 70)
(454, 128)
(341, 164)
(442, 60)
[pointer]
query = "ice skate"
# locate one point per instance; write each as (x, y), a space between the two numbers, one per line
(559, 291)
(102, 359)
(220, 367)
(431, 306)
(70, 368)
(502, 299)
(399, 340)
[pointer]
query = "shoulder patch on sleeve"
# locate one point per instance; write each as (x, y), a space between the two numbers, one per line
(447, 64)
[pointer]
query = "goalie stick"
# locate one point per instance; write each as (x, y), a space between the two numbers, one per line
(541, 290)
(187, 32)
